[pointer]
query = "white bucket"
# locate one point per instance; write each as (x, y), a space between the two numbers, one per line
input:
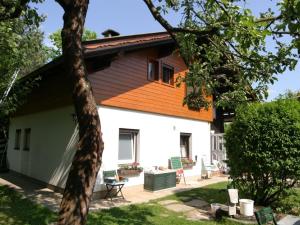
(246, 207)
(214, 207)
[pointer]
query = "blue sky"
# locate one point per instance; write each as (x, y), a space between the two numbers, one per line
(132, 17)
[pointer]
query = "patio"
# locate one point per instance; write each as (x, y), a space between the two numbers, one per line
(134, 194)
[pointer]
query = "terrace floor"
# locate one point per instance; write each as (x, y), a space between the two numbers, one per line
(133, 194)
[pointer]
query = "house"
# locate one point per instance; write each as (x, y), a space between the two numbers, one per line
(142, 116)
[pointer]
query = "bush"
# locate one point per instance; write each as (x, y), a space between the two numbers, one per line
(263, 149)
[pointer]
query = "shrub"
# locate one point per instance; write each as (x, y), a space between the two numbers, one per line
(263, 149)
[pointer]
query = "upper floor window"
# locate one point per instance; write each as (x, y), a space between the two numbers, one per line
(167, 74)
(27, 139)
(153, 73)
(18, 139)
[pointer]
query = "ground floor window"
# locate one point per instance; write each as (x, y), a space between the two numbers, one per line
(18, 139)
(185, 145)
(128, 146)
(27, 139)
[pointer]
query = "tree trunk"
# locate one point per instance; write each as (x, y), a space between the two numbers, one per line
(87, 160)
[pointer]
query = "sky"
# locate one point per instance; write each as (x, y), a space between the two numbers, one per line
(133, 17)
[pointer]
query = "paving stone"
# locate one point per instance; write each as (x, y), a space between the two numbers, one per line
(198, 203)
(185, 198)
(197, 215)
(179, 207)
(167, 202)
(242, 221)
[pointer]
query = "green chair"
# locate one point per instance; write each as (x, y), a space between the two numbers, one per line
(264, 216)
(177, 165)
(113, 185)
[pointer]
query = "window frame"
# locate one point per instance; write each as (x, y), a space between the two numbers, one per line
(153, 61)
(27, 137)
(18, 135)
(171, 78)
(134, 143)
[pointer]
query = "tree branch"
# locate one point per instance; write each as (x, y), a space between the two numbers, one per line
(63, 3)
(157, 16)
(285, 32)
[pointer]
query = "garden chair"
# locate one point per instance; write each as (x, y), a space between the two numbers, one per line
(205, 170)
(177, 165)
(113, 185)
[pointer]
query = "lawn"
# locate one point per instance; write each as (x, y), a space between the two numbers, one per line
(146, 214)
(211, 193)
(17, 210)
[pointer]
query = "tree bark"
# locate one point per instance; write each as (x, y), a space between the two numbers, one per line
(87, 160)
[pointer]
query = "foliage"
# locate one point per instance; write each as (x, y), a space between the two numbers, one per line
(263, 149)
(224, 44)
(55, 38)
(290, 95)
(12, 9)
(290, 204)
(21, 47)
(131, 166)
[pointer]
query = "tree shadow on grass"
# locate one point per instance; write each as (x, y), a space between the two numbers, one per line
(133, 214)
(15, 209)
(215, 193)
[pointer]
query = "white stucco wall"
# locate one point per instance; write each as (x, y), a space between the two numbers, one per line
(159, 139)
(52, 145)
(54, 137)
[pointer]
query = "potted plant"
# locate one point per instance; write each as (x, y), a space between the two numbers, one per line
(132, 169)
(187, 163)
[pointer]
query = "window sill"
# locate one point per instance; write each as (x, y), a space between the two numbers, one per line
(168, 85)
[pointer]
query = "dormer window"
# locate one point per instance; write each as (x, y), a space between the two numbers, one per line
(167, 74)
(153, 73)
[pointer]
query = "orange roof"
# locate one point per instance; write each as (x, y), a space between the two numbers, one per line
(119, 41)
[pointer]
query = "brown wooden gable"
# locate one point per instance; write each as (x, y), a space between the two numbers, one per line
(125, 85)
(118, 75)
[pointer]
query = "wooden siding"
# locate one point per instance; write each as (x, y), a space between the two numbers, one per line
(124, 84)
(53, 91)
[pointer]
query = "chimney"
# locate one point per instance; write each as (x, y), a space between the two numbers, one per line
(110, 33)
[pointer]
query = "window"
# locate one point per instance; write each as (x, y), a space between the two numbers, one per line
(185, 145)
(18, 139)
(127, 146)
(168, 74)
(27, 139)
(153, 73)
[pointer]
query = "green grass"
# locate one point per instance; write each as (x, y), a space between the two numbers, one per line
(290, 204)
(211, 193)
(146, 214)
(17, 210)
